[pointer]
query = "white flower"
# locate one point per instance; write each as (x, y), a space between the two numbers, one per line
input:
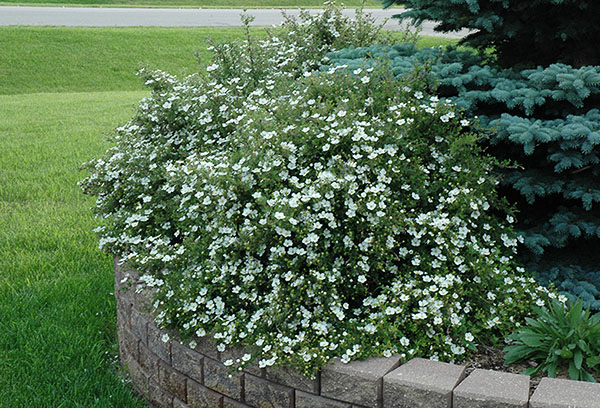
(165, 337)
(469, 337)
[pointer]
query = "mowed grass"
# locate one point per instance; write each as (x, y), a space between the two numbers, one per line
(58, 344)
(241, 4)
(75, 59)
(57, 312)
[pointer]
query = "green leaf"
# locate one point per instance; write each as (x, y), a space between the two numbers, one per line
(583, 346)
(575, 313)
(531, 340)
(578, 359)
(532, 370)
(566, 353)
(591, 362)
(585, 376)
(551, 369)
(573, 372)
(516, 353)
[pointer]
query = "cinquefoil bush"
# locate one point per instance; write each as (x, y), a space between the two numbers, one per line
(337, 214)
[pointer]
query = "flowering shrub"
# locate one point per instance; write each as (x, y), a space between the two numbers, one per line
(298, 45)
(335, 214)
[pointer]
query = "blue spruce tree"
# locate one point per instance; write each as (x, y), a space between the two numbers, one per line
(531, 32)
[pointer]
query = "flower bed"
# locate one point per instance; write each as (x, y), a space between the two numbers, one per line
(309, 216)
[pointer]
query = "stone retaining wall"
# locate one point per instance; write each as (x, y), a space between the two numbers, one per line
(169, 374)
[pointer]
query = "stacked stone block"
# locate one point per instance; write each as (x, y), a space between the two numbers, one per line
(172, 375)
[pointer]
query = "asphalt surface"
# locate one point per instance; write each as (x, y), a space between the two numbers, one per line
(124, 17)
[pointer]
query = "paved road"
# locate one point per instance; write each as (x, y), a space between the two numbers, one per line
(121, 17)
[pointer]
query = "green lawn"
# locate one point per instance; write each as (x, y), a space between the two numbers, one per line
(241, 4)
(62, 90)
(57, 323)
(75, 59)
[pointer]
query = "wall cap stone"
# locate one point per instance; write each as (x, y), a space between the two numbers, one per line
(421, 383)
(492, 389)
(561, 393)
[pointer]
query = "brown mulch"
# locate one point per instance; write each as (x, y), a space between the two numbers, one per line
(492, 358)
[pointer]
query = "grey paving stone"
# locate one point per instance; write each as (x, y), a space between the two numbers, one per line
(207, 347)
(123, 312)
(156, 345)
(358, 382)
(177, 403)
(143, 298)
(229, 403)
(139, 326)
(260, 393)
(148, 361)
(218, 378)
(172, 380)
(292, 378)
(492, 389)
(187, 361)
(421, 383)
(157, 396)
(128, 343)
(559, 393)
(199, 396)
(306, 400)
(137, 375)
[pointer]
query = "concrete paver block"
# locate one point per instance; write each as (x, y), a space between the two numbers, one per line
(559, 393)
(306, 400)
(358, 382)
(172, 381)
(217, 377)
(156, 344)
(179, 404)
(292, 378)
(421, 383)
(492, 389)
(157, 396)
(187, 361)
(261, 393)
(206, 346)
(148, 361)
(199, 396)
(229, 403)
(139, 326)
